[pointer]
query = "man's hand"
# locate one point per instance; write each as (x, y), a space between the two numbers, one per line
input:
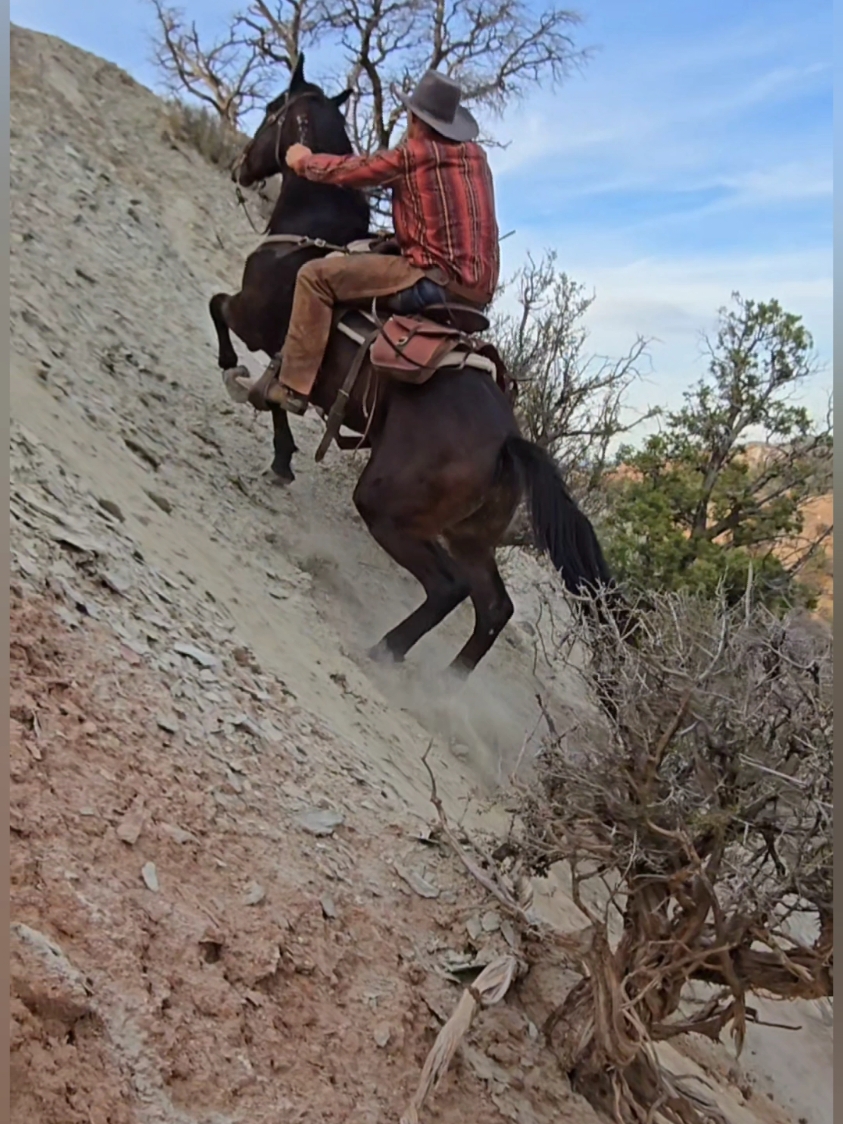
(296, 156)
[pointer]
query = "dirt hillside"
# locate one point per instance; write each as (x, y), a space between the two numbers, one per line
(226, 902)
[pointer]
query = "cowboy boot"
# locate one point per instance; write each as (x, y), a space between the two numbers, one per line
(268, 392)
(290, 400)
(259, 389)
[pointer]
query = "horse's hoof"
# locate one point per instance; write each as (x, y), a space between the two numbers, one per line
(457, 671)
(280, 479)
(238, 383)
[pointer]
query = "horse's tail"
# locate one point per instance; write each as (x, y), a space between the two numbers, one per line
(564, 532)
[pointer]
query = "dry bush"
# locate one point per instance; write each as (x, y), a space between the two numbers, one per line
(571, 401)
(698, 812)
(203, 129)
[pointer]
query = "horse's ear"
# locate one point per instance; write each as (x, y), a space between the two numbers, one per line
(340, 99)
(297, 78)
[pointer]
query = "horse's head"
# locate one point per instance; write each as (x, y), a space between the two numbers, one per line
(303, 114)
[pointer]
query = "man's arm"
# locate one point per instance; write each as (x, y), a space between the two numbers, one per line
(347, 171)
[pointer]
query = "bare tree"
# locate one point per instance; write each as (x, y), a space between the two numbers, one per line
(696, 817)
(570, 402)
(280, 31)
(228, 75)
(497, 48)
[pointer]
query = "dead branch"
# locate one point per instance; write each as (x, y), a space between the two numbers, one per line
(490, 882)
(498, 49)
(489, 988)
(227, 74)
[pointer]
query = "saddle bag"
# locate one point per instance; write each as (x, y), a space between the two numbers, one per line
(410, 348)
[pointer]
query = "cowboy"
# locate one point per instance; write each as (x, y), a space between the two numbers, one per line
(445, 228)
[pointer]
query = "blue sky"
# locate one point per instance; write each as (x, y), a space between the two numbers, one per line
(690, 158)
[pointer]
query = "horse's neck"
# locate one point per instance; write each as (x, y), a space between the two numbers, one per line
(319, 210)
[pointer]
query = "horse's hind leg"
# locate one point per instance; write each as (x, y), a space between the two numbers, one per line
(492, 604)
(443, 584)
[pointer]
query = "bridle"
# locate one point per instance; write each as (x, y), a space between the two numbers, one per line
(276, 120)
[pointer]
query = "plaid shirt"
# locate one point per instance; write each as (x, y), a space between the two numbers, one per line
(443, 205)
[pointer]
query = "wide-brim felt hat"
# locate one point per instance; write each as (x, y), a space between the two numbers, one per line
(436, 101)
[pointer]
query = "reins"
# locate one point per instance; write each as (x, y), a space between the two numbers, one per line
(276, 121)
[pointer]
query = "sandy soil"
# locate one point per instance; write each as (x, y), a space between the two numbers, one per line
(191, 702)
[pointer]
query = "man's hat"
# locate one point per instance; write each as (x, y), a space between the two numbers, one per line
(436, 101)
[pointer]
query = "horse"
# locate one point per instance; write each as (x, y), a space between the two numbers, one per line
(448, 465)
(321, 215)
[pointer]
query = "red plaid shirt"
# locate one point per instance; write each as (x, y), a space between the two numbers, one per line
(443, 205)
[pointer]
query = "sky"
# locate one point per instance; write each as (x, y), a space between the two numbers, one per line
(689, 158)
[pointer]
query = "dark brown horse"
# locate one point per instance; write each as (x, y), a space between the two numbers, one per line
(448, 466)
(260, 313)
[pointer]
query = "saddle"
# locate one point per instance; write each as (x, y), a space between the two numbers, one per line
(410, 337)
(411, 348)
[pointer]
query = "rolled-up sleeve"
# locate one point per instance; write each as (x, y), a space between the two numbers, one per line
(379, 169)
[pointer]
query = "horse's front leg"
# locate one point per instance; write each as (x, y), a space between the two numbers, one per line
(226, 355)
(283, 446)
(238, 383)
(235, 377)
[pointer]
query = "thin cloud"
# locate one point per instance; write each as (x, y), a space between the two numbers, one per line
(673, 301)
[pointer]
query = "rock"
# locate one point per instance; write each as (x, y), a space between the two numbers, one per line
(382, 1034)
(160, 501)
(150, 876)
(329, 910)
(33, 501)
(415, 881)
(176, 834)
(202, 658)
(167, 724)
(235, 782)
(43, 978)
(116, 582)
(474, 927)
(28, 565)
(510, 935)
(320, 821)
(131, 825)
(78, 541)
(67, 617)
(491, 921)
(255, 894)
(244, 722)
(112, 508)
(140, 450)
(76, 599)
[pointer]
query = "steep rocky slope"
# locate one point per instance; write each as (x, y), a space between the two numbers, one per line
(224, 907)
